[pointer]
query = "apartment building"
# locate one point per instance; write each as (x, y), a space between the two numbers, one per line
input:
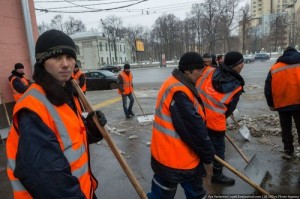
(265, 15)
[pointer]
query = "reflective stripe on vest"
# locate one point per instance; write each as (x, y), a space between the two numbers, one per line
(213, 101)
(167, 147)
(77, 157)
(285, 84)
(127, 83)
(16, 94)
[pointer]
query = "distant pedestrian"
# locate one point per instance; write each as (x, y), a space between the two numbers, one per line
(79, 76)
(282, 92)
(126, 90)
(220, 89)
(180, 145)
(18, 82)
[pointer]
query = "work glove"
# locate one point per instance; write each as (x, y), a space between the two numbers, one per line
(93, 133)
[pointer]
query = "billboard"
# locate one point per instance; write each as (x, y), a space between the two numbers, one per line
(139, 45)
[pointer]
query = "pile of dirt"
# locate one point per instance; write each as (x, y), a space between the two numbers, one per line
(262, 125)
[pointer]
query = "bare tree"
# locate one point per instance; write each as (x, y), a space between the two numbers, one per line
(112, 26)
(43, 27)
(57, 23)
(74, 25)
(245, 25)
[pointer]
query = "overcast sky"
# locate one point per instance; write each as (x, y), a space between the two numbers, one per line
(144, 13)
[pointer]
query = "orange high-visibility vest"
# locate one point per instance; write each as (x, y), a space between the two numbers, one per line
(76, 77)
(166, 145)
(16, 94)
(213, 101)
(285, 84)
(70, 133)
(127, 83)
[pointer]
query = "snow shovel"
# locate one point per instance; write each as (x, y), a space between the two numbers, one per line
(137, 186)
(253, 170)
(145, 117)
(243, 130)
(243, 177)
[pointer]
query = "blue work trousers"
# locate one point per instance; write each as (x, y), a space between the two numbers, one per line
(218, 142)
(128, 110)
(162, 189)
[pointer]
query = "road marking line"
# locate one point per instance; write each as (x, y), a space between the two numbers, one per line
(106, 103)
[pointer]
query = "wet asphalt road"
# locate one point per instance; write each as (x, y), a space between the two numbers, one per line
(113, 182)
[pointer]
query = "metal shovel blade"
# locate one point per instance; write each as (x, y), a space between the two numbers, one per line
(145, 118)
(245, 132)
(255, 171)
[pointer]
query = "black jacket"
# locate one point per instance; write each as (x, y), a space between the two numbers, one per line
(17, 83)
(226, 80)
(192, 130)
(289, 57)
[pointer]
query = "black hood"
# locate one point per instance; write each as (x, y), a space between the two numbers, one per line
(15, 73)
(290, 57)
(226, 80)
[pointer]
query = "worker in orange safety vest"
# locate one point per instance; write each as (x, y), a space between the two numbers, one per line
(79, 76)
(18, 82)
(282, 92)
(180, 145)
(48, 144)
(126, 90)
(220, 89)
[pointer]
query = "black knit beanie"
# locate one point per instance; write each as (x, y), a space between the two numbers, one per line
(233, 58)
(52, 43)
(289, 49)
(18, 66)
(190, 61)
(126, 66)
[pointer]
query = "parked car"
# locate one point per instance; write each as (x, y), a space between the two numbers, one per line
(111, 68)
(100, 80)
(262, 56)
(248, 58)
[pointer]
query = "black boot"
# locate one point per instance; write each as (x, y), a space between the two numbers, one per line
(219, 178)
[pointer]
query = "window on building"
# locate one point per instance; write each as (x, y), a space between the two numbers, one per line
(121, 60)
(125, 59)
(111, 47)
(87, 44)
(105, 46)
(120, 48)
(102, 61)
(124, 48)
(107, 60)
(77, 50)
(100, 44)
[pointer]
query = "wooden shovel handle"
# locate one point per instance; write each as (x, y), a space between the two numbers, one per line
(243, 177)
(237, 148)
(233, 118)
(111, 144)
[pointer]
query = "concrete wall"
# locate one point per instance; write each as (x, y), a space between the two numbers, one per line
(13, 46)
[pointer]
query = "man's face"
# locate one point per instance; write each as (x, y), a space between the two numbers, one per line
(194, 74)
(60, 67)
(239, 67)
(207, 62)
(20, 70)
(221, 60)
(127, 71)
